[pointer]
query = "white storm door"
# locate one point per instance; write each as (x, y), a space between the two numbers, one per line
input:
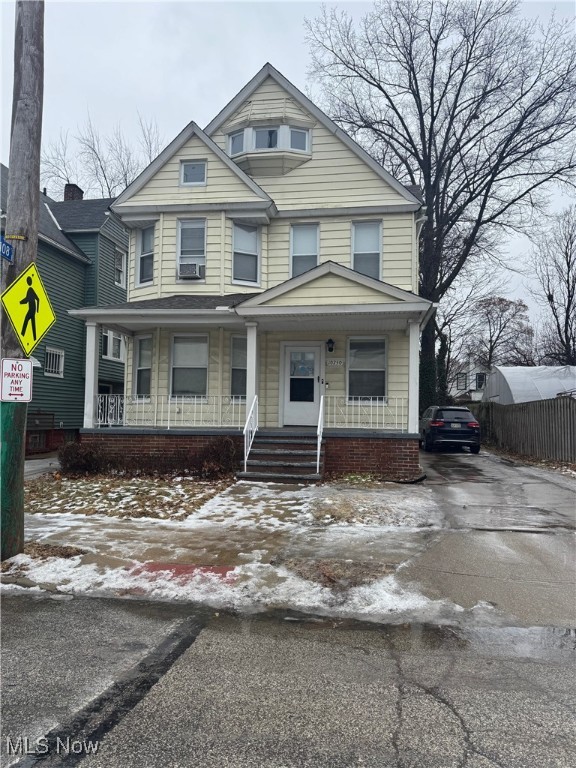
(301, 385)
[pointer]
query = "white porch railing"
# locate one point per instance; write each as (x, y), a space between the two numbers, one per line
(389, 413)
(319, 434)
(250, 429)
(169, 412)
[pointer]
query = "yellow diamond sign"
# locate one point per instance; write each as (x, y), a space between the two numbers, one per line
(27, 305)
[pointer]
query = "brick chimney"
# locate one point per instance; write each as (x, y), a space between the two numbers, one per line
(73, 192)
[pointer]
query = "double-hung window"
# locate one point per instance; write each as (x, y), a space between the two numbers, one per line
(192, 249)
(366, 369)
(366, 248)
(146, 256)
(142, 365)
(120, 268)
(238, 366)
(112, 345)
(304, 247)
(245, 253)
(193, 173)
(189, 366)
(461, 381)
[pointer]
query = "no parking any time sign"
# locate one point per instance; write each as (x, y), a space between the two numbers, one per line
(16, 380)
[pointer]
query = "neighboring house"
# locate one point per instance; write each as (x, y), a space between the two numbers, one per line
(469, 381)
(508, 385)
(272, 286)
(82, 255)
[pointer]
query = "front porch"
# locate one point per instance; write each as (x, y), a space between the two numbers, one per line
(170, 412)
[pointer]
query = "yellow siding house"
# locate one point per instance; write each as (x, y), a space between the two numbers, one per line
(272, 297)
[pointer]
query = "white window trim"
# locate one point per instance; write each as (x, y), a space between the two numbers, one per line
(203, 398)
(179, 248)
(60, 354)
(239, 398)
(356, 402)
(123, 254)
(284, 139)
(110, 334)
(352, 244)
(193, 183)
(235, 281)
(303, 224)
(139, 255)
(135, 367)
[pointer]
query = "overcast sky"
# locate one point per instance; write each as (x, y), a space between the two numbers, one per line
(171, 61)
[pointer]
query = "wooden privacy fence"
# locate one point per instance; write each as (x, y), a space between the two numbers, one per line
(544, 429)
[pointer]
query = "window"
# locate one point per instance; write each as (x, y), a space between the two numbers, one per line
(120, 268)
(245, 253)
(146, 256)
(54, 362)
(366, 248)
(366, 368)
(461, 381)
(143, 365)
(304, 243)
(480, 380)
(238, 366)
(298, 139)
(192, 249)
(193, 172)
(236, 142)
(265, 138)
(189, 366)
(112, 345)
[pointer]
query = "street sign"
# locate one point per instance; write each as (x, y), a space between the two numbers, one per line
(28, 307)
(16, 380)
(7, 250)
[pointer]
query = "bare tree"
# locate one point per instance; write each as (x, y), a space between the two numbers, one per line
(466, 99)
(554, 263)
(502, 335)
(102, 165)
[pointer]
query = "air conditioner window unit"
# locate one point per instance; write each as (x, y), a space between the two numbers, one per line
(191, 271)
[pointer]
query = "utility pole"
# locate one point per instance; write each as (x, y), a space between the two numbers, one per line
(22, 232)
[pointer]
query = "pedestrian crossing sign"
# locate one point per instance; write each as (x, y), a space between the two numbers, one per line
(28, 307)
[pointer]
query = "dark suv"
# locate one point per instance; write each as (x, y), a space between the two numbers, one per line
(449, 425)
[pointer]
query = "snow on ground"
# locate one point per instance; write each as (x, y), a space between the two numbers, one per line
(330, 549)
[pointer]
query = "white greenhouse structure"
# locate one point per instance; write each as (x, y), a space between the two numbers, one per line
(509, 385)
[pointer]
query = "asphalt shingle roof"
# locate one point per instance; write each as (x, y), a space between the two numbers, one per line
(76, 215)
(46, 225)
(194, 301)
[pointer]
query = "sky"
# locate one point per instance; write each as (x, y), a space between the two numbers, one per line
(170, 61)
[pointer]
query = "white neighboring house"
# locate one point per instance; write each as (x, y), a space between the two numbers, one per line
(272, 285)
(469, 382)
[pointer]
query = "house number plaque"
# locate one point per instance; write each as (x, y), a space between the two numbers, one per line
(337, 362)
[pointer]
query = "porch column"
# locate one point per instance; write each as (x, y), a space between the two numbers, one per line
(413, 375)
(91, 373)
(251, 362)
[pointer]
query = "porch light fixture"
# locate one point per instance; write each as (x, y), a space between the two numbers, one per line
(330, 344)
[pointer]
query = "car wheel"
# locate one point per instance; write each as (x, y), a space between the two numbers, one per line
(474, 449)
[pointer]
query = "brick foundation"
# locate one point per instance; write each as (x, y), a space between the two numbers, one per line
(393, 458)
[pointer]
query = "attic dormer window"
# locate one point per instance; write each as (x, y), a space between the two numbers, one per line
(266, 138)
(262, 138)
(193, 173)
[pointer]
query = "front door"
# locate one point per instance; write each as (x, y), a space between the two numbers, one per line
(301, 385)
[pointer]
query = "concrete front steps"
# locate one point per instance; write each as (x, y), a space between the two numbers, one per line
(283, 457)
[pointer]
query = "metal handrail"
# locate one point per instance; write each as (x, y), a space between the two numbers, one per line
(250, 429)
(319, 434)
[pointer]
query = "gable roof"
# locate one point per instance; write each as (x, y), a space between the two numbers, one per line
(331, 267)
(269, 71)
(185, 135)
(48, 229)
(81, 215)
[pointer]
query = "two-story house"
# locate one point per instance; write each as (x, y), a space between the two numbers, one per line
(82, 259)
(272, 289)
